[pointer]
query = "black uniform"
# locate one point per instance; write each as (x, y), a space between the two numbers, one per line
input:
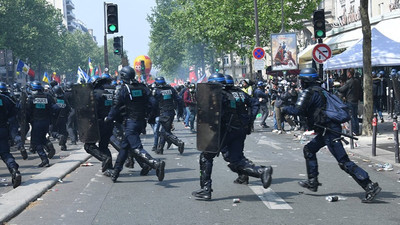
(167, 99)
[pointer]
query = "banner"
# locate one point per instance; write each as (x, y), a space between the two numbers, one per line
(284, 51)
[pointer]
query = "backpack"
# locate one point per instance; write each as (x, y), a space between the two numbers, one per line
(334, 109)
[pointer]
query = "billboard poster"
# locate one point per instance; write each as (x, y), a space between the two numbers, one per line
(284, 51)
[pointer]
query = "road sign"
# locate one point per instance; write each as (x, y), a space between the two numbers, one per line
(259, 64)
(321, 53)
(258, 53)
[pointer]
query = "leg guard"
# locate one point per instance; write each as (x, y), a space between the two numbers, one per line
(95, 152)
(170, 138)
(156, 164)
(358, 174)
(206, 166)
(311, 162)
(130, 162)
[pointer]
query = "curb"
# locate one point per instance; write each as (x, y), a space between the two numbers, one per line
(16, 200)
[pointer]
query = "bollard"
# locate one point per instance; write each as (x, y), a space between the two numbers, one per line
(391, 103)
(351, 133)
(396, 139)
(374, 132)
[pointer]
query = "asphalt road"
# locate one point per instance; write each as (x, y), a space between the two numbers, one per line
(85, 196)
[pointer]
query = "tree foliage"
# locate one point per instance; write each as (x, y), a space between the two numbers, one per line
(196, 32)
(33, 29)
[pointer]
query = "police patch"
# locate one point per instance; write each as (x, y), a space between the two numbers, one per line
(137, 93)
(40, 101)
(61, 103)
(1, 102)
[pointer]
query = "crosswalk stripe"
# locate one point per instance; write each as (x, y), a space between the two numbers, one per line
(269, 197)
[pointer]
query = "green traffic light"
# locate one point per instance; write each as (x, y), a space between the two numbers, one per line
(112, 27)
(320, 33)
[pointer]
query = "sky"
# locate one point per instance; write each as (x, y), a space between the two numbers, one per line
(132, 22)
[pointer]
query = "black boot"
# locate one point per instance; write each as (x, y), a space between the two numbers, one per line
(16, 177)
(266, 176)
(105, 160)
(160, 149)
(51, 151)
(371, 191)
(181, 147)
(24, 154)
(115, 175)
(311, 184)
(160, 170)
(63, 142)
(242, 179)
(45, 162)
(205, 192)
(169, 144)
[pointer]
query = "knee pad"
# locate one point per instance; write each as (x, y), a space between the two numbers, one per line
(355, 171)
(348, 166)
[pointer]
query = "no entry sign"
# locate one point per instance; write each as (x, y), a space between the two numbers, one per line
(321, 53)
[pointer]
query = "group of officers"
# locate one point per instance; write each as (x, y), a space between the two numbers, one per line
(118, 114)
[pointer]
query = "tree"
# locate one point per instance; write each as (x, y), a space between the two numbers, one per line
(367, 69)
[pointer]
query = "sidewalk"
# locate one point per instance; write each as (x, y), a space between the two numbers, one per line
(16, 200)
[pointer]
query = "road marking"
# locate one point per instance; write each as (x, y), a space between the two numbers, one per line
(269, 198)
(270, 143)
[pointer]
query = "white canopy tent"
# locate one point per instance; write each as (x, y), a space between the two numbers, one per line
(384, 52)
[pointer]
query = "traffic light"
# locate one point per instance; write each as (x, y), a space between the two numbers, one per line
(142, 67)
(117, 45)
(112, 18)
(319, 24)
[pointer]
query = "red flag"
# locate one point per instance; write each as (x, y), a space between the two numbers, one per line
(31, 72)
(192, 77)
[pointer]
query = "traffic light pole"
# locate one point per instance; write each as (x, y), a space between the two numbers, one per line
(106, 63)
(321, 66)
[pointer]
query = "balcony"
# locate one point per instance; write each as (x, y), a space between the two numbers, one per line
(70, 5)
(70, 15)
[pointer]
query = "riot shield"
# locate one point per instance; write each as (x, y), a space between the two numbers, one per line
(209, 103)
(85, 106)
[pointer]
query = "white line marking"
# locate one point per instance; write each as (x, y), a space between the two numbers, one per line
(270, 143)
(270, 198)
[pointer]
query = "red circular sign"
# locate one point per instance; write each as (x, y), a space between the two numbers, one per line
(258, 53)
(321, 53)
(395, 126)
(374, 122)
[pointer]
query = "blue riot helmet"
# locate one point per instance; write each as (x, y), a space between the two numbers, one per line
(127, 74)
(229, 80)
(3, 87)
(308, 77)
(393, 72)
(260, 84)
(373, 74)
(114, 83)
(36, 86)
(398, 73)
(381, 73)
(160, 81)
(94, 78)
(217, 78)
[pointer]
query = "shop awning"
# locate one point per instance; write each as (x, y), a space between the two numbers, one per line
(344, 40)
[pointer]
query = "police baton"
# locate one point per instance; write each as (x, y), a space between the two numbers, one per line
(336, 132)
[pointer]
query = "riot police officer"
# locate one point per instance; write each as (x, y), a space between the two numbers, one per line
(167, 99)
(59, 129)
(103, 101)
(236, 122)
(7, 111)
(307, 104)
(40, 107)
(136, 102)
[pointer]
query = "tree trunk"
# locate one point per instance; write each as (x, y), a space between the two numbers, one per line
(367, 70)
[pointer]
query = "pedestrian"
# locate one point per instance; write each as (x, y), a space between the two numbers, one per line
(189, 97)
(236, 120)
(309, 104)
(262, 97)
(351, 91)
(135, 100)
